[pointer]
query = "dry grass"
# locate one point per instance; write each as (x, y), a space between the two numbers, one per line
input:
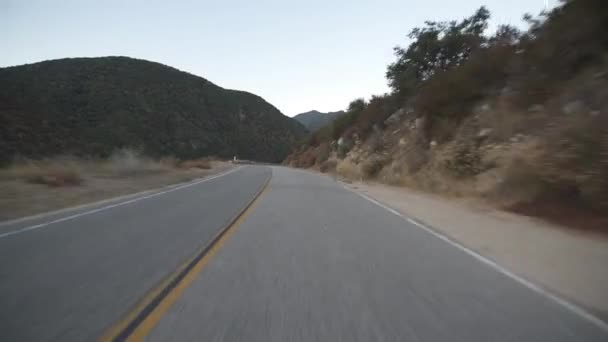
(57, 173)
(371, 167)
(348, 169)
(328, 166)
(70, 171)
(307, 158)
(57, 178)
(33, 186)
(203, 164)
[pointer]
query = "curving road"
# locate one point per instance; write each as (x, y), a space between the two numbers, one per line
(293, 256)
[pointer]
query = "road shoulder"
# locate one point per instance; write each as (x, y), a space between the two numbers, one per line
(570, 264)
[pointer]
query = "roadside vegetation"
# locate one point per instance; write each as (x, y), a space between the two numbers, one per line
(30, 186)
(516, 117)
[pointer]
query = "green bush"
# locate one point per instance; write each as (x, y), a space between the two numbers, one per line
(575, 161)
(323, 152)
(465, 160)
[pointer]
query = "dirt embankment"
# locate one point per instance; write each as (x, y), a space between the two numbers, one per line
(531, 163)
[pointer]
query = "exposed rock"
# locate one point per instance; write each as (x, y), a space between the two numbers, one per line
(482, 108)
(433, 144)
(573, 107)
(536, 108)
(484, 132)
(517, 138)
(395, 117)
(418, 123)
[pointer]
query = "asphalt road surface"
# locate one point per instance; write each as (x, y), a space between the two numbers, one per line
(305, 260)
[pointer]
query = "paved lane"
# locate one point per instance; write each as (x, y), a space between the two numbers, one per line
(315, 262)
(70, 280)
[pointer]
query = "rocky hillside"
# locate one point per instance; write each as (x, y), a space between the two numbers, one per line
(519, 119)
(93, 106)
(314, 120)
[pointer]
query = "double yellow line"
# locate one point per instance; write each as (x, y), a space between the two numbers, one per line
(146, 314)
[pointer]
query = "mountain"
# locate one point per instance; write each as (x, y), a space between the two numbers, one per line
(314, 120)
(93, 106)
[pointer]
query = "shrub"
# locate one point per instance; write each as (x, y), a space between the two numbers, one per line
(56, 177)
(328, 166)
(342, 151)
(371, 167)
(465, 160)
(449, 96)
(574, 164)
(57, 173)
(378, 110)
(169, 162)
(347, 169)
(306, 159)
(323, 152)
(375, 142)
(415, 157)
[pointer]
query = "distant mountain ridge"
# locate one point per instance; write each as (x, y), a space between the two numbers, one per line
(93, 106)
(314, 120)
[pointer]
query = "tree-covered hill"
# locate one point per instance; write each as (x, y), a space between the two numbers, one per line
(93, 106)
(314, 120)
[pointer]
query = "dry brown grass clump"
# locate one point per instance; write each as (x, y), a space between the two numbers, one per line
(56, 178)
(70, 171)
(306, 159)
(371, 167)
(56, 173)
(348, 169)
(203, 164)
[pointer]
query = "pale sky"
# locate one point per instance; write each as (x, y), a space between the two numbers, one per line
(298, 55)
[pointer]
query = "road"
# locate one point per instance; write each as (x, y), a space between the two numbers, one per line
(260, 254)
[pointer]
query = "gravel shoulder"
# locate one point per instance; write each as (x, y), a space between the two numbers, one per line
(569, 263)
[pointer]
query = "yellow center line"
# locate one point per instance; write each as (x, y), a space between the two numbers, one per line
(116, 332)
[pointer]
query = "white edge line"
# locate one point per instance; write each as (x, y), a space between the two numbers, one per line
(119, 204)
(561, 301)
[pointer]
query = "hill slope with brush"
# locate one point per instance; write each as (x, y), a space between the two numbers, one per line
(314, 120)
(516, 117)
(93, 106)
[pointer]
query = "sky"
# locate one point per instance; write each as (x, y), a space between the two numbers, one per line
(298, 55)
